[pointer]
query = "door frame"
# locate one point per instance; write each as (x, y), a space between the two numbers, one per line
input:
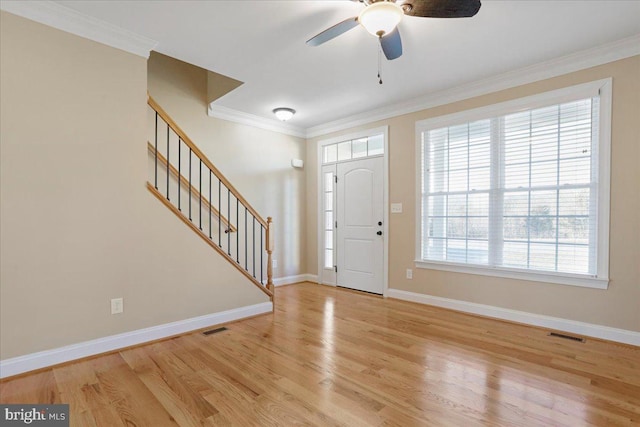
(384, 130)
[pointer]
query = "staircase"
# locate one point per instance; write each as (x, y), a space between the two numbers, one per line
(186, 181)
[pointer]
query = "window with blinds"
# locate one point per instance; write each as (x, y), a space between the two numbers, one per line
(519, 191)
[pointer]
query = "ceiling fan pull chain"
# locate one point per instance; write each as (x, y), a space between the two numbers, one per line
(379, 65)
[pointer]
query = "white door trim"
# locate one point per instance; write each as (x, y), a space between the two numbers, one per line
(384, 130)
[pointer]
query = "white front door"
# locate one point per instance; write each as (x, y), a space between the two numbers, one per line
(359, 228)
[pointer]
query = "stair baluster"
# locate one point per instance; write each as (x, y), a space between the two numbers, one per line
(223, 247)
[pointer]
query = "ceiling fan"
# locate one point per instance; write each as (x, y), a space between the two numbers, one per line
(381, 18)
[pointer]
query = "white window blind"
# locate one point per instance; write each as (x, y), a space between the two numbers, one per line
(516, 191)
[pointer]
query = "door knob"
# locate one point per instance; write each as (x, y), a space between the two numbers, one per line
(379, 222)
(379, 233)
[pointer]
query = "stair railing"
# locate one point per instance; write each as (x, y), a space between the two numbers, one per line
(231, 225)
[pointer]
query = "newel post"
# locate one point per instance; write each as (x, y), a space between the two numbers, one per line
(269, 251)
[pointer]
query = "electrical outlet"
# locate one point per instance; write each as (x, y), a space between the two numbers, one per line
(274, 263)
(409, 273)
(117, 305)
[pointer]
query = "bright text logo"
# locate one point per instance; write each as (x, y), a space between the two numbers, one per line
(36, 415)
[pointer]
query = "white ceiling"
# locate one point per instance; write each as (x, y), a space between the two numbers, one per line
(262, 43)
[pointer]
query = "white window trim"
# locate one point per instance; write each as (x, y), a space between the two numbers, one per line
(572, 93)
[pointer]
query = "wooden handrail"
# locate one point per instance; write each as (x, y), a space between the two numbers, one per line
(269, 247)
(183, 136)
(195, 193)
(204, 237)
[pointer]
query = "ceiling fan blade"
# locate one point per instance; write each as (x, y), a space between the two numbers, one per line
(440, 8)
(392, 44)
(333, 32)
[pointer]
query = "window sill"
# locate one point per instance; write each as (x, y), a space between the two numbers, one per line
(541, 276)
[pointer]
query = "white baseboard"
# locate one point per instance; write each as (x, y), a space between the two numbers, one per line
(581, 328)
(287, 280)
(43, 359)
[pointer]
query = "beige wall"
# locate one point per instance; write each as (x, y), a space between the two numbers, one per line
(618, 306)
(256, 161)
(77, 225)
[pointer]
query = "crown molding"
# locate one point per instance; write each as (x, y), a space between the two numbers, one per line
(57, 16)
(236, 116)
(603, 54)
(65, 19)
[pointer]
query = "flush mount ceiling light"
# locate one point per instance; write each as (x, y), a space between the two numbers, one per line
(284, 114)
(381, 18)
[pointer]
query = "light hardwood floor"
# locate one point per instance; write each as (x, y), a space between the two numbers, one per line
(334, 357)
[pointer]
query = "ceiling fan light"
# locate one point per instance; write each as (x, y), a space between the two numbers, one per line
(381, 18)
(284, 114)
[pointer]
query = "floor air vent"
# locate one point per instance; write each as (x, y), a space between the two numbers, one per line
(566, 337)
(214, 331)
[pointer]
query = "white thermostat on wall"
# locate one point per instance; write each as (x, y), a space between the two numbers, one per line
(396, 207)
